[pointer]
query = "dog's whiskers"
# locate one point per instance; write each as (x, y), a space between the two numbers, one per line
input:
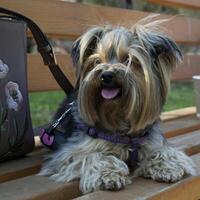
(124, 81)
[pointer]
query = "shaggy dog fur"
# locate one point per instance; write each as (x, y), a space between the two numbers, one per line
(124, 77)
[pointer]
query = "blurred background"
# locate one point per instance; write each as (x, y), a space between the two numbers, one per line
(44, 104)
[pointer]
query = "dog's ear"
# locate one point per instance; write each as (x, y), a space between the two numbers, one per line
(75, 52)
(84, 46)
(164, 49)
(160, 47)
(161, 53)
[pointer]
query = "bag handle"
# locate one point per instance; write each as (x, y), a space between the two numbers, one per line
(44, 48)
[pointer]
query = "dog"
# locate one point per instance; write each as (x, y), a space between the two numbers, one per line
(123, 81)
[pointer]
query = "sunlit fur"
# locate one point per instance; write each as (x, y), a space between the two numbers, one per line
(142, 59)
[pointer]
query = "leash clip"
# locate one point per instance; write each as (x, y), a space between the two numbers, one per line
(47, 136)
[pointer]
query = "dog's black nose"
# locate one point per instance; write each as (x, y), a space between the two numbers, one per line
(108, 78)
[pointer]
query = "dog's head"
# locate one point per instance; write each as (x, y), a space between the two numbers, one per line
(124, 75)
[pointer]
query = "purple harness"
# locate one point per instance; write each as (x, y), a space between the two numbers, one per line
(134, 142)
(49, 136)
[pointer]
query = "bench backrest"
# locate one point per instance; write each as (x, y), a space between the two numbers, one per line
(193, 4)
(64, 20)
(191, 64)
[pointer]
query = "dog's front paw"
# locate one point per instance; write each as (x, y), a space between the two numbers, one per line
(114, 181)
(161, 172)
(110, 173)
(168, 166)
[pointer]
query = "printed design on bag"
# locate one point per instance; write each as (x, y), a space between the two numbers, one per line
(3, 69)
(14, 142)
(14, 96)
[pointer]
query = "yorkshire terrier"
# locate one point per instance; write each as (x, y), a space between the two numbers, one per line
(124, 77)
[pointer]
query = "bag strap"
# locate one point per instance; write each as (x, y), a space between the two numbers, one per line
(44, 48)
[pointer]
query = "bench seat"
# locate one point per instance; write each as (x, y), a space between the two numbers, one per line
(18, 179)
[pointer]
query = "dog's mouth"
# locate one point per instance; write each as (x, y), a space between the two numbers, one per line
(110, 93)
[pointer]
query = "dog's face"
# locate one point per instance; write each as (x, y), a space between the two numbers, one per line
(123, 76)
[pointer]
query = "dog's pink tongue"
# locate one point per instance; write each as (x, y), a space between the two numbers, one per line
(107, 93)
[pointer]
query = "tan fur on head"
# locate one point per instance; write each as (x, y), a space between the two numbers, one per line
(141, 58)
(124, 77)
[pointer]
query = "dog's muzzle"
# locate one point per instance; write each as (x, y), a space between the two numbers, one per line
(108, 79)
(110, 89)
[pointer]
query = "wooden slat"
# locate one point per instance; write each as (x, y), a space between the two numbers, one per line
(32, 162)
(31, 186)
(21, 167)
(180, 126)
(39, 76)
(190, 142)
(189, 68)
(38, 144)
(25, 166)
(187, 190)
(193, 4)
(37, 188)
(70, 20)
(179, 113)
(142, 189)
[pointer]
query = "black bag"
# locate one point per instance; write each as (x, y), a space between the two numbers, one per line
(16, 133)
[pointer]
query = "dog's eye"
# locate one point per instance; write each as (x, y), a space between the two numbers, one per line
(126, 61)
(97, 61)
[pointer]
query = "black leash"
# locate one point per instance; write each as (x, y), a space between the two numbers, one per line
(44, 48)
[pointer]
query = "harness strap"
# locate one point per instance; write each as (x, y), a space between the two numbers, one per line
(117, 139)
(50, 137)
(44, 48)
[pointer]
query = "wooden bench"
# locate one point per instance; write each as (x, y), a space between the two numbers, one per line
(59, 19)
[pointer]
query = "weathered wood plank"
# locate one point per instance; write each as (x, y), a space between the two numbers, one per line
(27, 166)
(37, 188)
(58, 19)
(31, 164)
(180, 126)
(190, 142)
(193, 4)
(21, 167)
(178, 113)
(188, 189)
(41, 79)
(188, 68)
(38, 144)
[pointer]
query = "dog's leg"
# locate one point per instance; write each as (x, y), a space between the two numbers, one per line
(95, 169)
(105, 172)
(161, 162)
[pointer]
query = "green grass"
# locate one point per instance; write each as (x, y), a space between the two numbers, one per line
(181, 95)
(44, 104)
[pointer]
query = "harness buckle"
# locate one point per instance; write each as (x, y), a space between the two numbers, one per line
(92, 132)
